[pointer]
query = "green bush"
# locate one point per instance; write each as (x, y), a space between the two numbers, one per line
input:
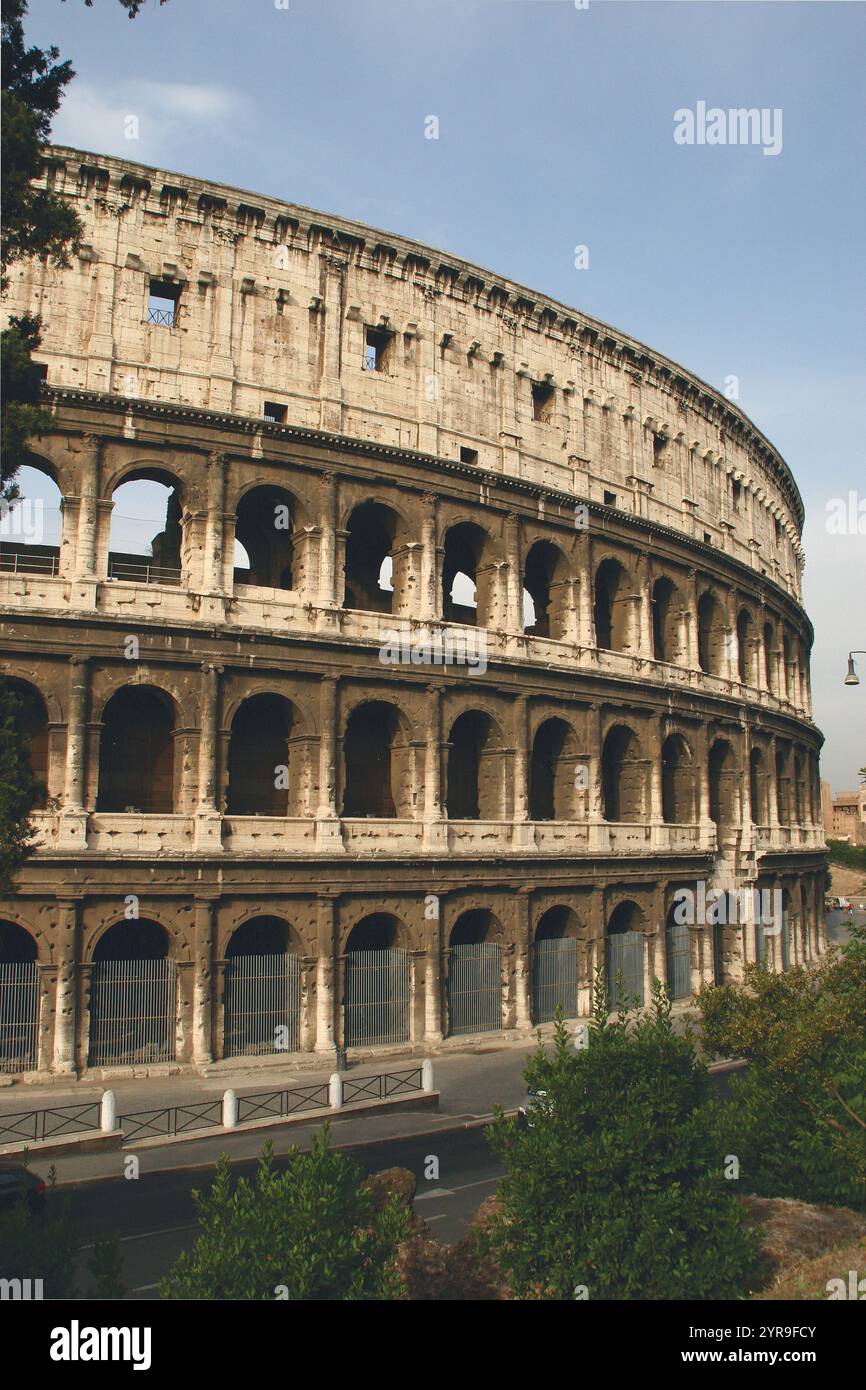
(618, 1184)
(851, 856)
(310, 1232)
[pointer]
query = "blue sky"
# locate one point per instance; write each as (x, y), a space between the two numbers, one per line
(556, 129)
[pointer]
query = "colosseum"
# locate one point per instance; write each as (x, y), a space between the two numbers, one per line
(469, 642)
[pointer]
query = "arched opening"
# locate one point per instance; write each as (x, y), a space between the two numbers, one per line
(372, 529)
(758, 787)
(377, 991)
(666, 620)
(612, 608)
(799, 792)
(678, 782)
(783, 784)
(554, 965)
(29, 716)
(31, 527)
(136, 752)
(711, 635)
(746, 654)
(475, 777)
(132, 996)
(146, 539)
(375, 760)
(622, 776)
(474, 974)
(19, 1000)
(724, 777)
(786, 668)
(625, 953)
(552, 771)
(466, 576)
(678, 957)
(264, 538)
(770, 658)
(262, 780)
(262, 990)
(546, 581)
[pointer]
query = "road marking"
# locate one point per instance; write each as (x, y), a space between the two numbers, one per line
(451, 1191)
(148, 1235)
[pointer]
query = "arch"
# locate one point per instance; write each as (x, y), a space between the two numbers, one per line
(473, 926)
(553, 965)
(552, 790)
(746, 648)
(557, 922)
(546, 579)
(625, 952)
(136, 752)
(474, 973)
(376, 762)
(622, 774)
(33, 524)
(146, 532)
(758, 789)
(264, 527)
(262, 989)
(371, 533)
(784, 808)
(611, 608)
(666, 620)
(678, 961)
(786, 667)
(19, 999)
(711, 634)
(260, 936)
(30, 717)
(723, 778)
(133, 995)
(262, 778)
(467, 575)
(377, 988)
(799, 790)
(768, 637)
(475, 783)
(679, 785)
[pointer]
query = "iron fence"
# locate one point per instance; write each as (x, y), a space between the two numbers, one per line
(262, 1005)
(377, 997)
(132, 1012)
(277, 1104)
(625, 958)
(172, 1119)
(23, 562)
(679, 961)
(143, 573)
(475, 988)
(381, 1087)
(50, 1124)
(19, 1016)
(554, 978)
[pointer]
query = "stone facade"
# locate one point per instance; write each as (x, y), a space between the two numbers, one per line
(631, 713)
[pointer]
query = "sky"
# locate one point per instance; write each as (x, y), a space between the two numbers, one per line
(556, 129)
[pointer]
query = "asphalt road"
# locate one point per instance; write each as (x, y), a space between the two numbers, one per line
(156, 1217)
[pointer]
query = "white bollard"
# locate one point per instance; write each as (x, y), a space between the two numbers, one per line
(427, 1075)
(335, 1091)
(108, 1113)
(230, 1110)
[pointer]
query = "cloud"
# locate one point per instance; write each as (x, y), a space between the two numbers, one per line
(166, 115)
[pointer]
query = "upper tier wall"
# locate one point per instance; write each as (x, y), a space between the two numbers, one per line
(275, 303)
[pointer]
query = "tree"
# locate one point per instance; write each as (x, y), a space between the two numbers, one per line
(45, 1245)
(616, 1188)
(804, 1033)
(19, 788)
(310, 1232)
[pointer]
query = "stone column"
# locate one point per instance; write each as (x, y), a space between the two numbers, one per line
(325, 992)
(430, 605)
(523, 834)
(585, 632)
(522, 959)
(208, 830)
(213, 581)
(72, 832)
(598, 830)
(65, 953)
(85, 556)
(433, 972)
(691, 615)
(202, 989)
(645, 633)
(514, 575)
(328, 543)
(327, 820)
(772, 791)
(655, 778)
(435, 833)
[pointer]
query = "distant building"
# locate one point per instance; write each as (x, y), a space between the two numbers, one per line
(844, 815)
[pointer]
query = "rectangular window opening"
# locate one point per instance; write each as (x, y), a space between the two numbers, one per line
(736, 494)
(660, 448)
(468, 455)
(610, 499)
(273, 412)
(162, 303)
(376, 347)
(542, 401)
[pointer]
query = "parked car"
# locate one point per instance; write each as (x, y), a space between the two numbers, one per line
(525, 1111)
(17, 1182)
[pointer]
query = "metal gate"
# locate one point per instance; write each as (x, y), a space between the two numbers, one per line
(475, 988)
(625, 957)
(785, 936)
(262, 1005)
(132, 1011)
(718, 954)
(554, 978)
(19, 1016)
(760, 943)
(377, 997)
(679, 963)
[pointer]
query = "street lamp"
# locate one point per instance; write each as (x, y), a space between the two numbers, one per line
(852, 678)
